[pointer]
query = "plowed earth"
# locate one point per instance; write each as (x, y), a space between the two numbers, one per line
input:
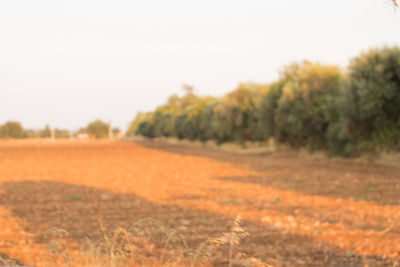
(297, 210)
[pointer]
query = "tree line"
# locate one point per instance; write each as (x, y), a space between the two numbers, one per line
(14, 130)
(311, 105)
(96, 129)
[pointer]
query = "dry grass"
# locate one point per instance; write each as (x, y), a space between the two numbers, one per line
(136, 247)
(245, 148)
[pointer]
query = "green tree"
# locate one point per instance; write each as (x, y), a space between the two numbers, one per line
(12, 129)
(60, 133)
(29, 133)
(307, 104)
(134, 125)
(267, 110)
(46, 132)
(98, 128)
(235, 116)
(369, 105)
(140, 125)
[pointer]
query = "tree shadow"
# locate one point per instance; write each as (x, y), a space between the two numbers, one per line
(77, 209)
(321, 176)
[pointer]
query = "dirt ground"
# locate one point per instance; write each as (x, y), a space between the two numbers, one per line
(298, 211)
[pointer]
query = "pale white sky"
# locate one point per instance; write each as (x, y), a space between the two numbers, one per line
(79, 60)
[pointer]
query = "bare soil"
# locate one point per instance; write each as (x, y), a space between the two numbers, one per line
(298, 211)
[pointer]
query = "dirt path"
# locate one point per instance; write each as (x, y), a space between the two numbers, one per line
(297, 211)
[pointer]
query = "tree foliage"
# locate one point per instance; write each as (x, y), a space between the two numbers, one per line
(98, 128)
(46, 132)
(11, 129)
(369, 106)
(306, 105)
(311, 105)
(61, 133)
(267, 110)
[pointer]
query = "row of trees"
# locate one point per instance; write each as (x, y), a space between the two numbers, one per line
(96, 129)
(14, 129)
(311, 105)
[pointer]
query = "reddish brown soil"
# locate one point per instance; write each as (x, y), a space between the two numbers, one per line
(297, 210)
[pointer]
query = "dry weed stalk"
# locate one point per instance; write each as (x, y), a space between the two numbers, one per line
(232, 239)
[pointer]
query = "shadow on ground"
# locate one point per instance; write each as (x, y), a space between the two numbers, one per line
(76, 209)
(345, 179)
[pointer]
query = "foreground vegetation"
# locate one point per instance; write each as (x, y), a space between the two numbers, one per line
(312, 105)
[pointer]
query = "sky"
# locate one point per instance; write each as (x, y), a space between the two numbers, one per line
(69, 62)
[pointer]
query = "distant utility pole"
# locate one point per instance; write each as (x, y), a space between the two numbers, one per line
(110, 133)
(52, 134)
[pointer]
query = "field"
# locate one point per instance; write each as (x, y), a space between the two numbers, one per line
(60, 203)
